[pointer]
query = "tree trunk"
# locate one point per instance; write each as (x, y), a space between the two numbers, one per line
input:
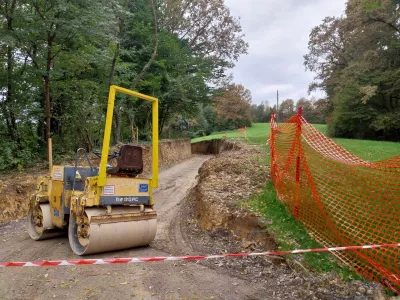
(117, 126)
(7, 119)
(9, 104)
(155, 52)
(9, 97)
(113, 63)
(117, 121)
(47, 103)
(163, 117)
(47, 82)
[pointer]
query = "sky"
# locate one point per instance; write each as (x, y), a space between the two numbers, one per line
(277, 32)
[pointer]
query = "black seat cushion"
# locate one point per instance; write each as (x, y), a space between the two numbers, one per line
(129, 161)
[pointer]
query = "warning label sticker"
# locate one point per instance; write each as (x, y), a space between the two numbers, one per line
(109, 190)
(57, 174)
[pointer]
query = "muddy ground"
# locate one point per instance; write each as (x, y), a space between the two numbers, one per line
(182, 230)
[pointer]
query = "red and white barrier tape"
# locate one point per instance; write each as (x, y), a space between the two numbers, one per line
(107, 261)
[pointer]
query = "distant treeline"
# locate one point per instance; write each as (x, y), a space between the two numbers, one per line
(314, 111)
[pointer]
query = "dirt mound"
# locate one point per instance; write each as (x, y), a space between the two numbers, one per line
(225, 184)
(15, 190)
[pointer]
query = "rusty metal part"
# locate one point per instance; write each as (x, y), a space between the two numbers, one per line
(113, 218)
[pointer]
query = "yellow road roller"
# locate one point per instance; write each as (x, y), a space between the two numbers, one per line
(104, 208)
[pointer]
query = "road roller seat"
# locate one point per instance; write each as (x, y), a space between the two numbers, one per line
(128, 162)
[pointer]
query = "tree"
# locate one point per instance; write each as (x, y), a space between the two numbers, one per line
(308, 109)
(357, 62)
(326, 55)
(322, 109)
(286, 110)
(207, 27)
(7, 10)
(177, 76)
(54, 28)
(210, 115)
(233, 106)
(371, 5)
(260, 113)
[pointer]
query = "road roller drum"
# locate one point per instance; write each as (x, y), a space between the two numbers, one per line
(123, 228)
(39, 223)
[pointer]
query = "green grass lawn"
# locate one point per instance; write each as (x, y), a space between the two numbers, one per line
(365, 149)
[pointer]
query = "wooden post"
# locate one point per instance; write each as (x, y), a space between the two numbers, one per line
(277, 106)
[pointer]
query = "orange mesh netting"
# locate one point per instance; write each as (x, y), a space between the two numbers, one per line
(341, 199)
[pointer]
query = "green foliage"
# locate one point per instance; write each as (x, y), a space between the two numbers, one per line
(12, 157)
(371, 5)
(314, 111)
(261, 113)
(230, 110)
(210, 115)
(57, 60)
(356, 58)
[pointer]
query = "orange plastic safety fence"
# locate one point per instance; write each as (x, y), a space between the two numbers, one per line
(340, 199)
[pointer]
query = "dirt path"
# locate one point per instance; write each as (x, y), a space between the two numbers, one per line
(179, 280)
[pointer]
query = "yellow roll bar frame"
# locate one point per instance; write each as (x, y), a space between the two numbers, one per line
(107, 133)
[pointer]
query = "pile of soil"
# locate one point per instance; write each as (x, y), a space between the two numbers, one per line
(15, 191)
(225, 184)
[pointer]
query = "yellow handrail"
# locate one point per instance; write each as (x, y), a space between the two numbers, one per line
(107, 133)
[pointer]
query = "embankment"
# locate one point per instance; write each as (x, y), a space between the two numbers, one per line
(169, 153)
(225, 185)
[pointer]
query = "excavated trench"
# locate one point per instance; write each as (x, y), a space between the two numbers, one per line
(225, 184)
(214, 147)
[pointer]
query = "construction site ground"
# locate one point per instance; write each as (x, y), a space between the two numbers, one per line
(199, 212)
